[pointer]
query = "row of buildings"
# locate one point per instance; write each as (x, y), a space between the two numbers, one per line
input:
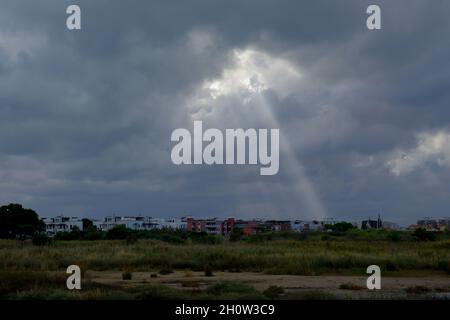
(67, 224)
(211, 226)
(432, 224)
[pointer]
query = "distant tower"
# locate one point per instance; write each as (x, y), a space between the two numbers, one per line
(379, 223)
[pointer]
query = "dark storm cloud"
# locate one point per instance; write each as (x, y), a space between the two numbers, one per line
(86, 116)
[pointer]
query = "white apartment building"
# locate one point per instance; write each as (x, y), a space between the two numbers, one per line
(167, 223)
(141, 223)
(110, 222)
(62, 224)
(331, 221)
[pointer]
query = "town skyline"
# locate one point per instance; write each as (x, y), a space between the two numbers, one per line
(226, 227)
(212, 217)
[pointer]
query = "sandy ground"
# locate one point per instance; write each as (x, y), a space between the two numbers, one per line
(391, 287)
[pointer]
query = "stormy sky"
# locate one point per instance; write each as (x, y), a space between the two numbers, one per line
(364, 116)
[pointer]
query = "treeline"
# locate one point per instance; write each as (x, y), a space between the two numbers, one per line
(20, 223)
(182, 237)
(120, 232)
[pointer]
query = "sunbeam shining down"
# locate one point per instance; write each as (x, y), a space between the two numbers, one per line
(237, 99)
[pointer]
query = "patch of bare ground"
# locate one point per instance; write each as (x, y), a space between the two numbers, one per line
(339, 286)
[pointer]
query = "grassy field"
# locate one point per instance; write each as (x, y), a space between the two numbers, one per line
(28, 271)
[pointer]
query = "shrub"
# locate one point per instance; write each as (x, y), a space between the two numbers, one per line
(92, 235)
(340, 227)
(394, 236)
(154, 275)
(41, 239)
(127, 275)
(119, 232)
(420, 234)
(165, 271)
(208, 271)
(236, 235)
(66, 236)
(390, 266)
(171, 238)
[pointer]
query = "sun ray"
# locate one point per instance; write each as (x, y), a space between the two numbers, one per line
(247, 81)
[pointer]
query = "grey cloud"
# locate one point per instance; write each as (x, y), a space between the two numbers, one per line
(86, 117)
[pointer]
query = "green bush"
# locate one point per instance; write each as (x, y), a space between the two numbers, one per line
(165, 271)
(420, 234)
(41, 239)
(340, 227)
(92, 235)
(394, 236)
(69, 236)
(236, 235)
(119, 232)
(171, 238)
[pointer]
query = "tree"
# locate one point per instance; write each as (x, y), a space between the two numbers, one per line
(16, 221)
(41, 239)
(119, 232)
(87, 223)
(236, 234)
(339, 227)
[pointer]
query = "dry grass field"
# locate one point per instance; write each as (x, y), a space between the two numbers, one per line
(278, 269)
